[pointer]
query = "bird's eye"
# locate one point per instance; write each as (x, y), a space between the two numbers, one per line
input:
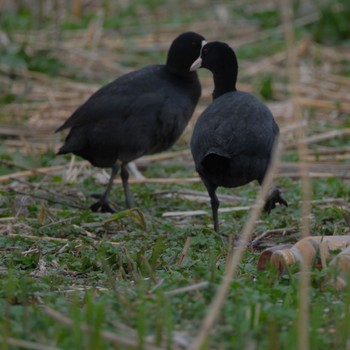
(194, 44)
(205, 50)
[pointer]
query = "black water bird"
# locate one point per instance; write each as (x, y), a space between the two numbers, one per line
(233, 138)
(139, 113)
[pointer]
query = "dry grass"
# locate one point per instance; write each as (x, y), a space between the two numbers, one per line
(309, 112)
(46, 101)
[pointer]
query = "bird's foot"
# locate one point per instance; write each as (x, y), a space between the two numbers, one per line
(102, 205)
(273, 198)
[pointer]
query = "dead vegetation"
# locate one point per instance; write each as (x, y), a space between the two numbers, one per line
(93, 56)
(43, 102)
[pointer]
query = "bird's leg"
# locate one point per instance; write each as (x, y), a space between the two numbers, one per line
(125, 176)
(214, 201)
(102, 205)
(274, 196)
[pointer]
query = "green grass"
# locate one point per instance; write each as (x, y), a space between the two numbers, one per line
(333, 26)
(68, 276)
(119, 269)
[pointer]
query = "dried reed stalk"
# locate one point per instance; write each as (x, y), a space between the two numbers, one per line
(286, 9)
(186, 289)
(184, 251)
(26, 173)
(186, 180)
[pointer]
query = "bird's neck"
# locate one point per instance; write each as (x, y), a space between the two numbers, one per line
(223, 83)
(184, 73)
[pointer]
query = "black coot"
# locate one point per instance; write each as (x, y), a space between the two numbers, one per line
(233, 138)
(142, 112)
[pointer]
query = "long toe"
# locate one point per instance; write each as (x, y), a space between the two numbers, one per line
(274, 197)
(282, 201)
(102, 207)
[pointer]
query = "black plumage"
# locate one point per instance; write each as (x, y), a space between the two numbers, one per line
(233, 139)
(142, 112)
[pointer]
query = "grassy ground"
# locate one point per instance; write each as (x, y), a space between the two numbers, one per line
(144, 278)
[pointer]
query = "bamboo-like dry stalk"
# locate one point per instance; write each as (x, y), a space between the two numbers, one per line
(303, 327)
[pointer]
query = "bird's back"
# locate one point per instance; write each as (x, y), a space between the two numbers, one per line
(139, 113)
(233, 140)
